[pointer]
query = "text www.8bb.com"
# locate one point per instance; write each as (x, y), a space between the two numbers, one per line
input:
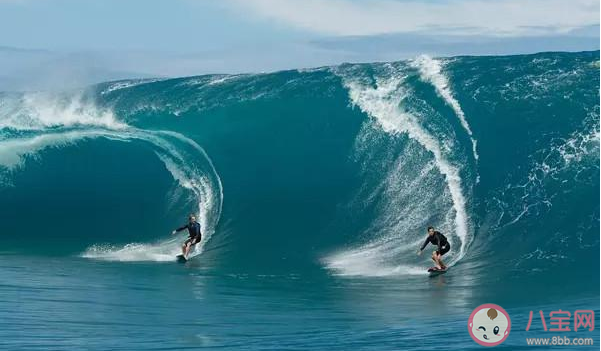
(558, 340)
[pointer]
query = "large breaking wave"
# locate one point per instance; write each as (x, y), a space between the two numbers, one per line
(345, 166)
(35, 122)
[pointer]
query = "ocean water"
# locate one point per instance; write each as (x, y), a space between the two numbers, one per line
(313, 189)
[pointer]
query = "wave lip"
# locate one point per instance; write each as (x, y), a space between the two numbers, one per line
(431, 71)
(40, 111)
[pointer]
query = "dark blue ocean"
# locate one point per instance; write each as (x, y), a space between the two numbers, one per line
(314, 189)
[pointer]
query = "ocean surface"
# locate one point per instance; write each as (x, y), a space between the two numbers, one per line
(314, 189)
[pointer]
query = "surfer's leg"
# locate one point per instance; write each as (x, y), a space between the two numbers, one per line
(190, 243)
(185, 248)
(442, 265)
(445, 249)
(436, 259)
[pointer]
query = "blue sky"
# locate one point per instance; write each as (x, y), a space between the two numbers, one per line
(155, 25)
(114, 38)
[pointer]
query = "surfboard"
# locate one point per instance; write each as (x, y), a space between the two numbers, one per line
(435, 271)
(181, 259)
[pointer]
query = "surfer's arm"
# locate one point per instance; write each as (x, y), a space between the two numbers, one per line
(424, 245)
(179, 229)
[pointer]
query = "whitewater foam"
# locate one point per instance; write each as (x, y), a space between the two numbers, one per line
(39, 111)
(383, 103)
(160, 252)
(431, 71)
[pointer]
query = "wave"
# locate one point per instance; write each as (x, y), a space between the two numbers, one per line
(347, 165)
(59, 125)
(384, 103)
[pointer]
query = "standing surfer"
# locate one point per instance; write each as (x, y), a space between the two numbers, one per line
(436, 238)
(194, 235)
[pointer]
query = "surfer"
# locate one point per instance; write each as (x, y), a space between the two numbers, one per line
(194, 235)
(436, 238)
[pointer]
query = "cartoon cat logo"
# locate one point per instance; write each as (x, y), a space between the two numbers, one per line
(489, 325)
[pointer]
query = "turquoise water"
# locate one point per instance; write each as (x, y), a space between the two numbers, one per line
(314, 189)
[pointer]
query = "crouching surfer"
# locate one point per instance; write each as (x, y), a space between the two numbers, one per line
(436, 238)
(194, 235)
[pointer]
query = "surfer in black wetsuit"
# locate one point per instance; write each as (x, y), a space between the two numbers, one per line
(436, 238)
(194, 234)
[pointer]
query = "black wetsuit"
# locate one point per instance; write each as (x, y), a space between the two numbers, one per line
(193, 231)
(439, 240)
